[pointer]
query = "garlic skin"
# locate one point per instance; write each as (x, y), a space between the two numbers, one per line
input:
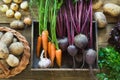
(17, 15)
(3, 8)
(44, 62)
(14, 6)
(9, 13)
(24, 5)
(7, 1)
(12, 60)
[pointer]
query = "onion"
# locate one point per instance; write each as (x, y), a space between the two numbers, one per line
(4, 8)
(14, 6)
(17, 1)
(27, 21)
(9, 13)
(7, 1)
(24, 5)
(17, 15)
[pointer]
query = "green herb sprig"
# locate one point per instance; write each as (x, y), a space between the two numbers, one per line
(109, 60)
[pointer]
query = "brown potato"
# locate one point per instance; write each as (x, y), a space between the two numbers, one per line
(7, 38)
(16, 48)
(101, 19)
(4, 52)
(111, 9)
(17, 24)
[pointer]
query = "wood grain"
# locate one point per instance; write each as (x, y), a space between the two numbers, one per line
(27, 74)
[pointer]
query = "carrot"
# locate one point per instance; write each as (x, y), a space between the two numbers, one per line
(49, 48)
(52, 54)
(39, 42)
(58, 56)
(45, 41)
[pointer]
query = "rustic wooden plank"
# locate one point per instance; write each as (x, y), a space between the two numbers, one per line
(27, 74)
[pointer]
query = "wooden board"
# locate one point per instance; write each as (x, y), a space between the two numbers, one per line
(27, 74)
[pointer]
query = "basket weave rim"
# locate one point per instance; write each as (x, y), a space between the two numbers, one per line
(25, 56)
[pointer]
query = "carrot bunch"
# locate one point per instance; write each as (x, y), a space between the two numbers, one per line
(50, 46)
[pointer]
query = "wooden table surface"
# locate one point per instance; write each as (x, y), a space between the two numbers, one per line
(27, 74)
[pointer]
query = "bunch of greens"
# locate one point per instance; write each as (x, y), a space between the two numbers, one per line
(109, 63)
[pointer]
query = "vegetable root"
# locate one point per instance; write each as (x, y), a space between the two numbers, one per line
(45, 41)
(39, 43)
(52, 54)
(58, 56)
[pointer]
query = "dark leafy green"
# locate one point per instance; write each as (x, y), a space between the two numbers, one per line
(109, 63)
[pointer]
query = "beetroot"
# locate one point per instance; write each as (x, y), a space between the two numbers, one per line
(90, 59)
(63, 43)
(72, 50)
(81, 41)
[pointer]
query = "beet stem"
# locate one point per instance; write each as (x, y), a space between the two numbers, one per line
(91, 73)
(73, 61)
(83, 51)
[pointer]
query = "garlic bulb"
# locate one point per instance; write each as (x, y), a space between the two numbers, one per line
(17, 1)
(7, 1)
(24, 5)
(17, 15)
(10, 13)
(12, 60)
(44, 62)
(3, 8)
(14, 6)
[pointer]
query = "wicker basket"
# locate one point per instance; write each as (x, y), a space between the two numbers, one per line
(23, 61)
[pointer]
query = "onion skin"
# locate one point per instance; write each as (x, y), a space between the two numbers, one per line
(27, 21)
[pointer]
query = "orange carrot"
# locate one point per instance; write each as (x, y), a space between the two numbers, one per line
(39, 42)
(52, 54)
(58, 56)
(45, 41)
(49, 48)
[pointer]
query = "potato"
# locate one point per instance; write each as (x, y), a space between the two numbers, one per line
(101, 19)
(1, 34)
(14, 40)
(111, 9)
(17, 24)
(16, 48)
(12, 60)
(3, 50)
(7, 38)
(97, 4)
